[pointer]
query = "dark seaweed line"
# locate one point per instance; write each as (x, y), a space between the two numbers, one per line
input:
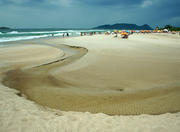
(51, 62)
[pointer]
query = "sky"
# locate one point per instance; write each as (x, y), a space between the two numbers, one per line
(87, 13)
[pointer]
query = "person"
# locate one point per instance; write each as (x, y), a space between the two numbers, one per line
(124, 35)
(63, 35)
(116, 35)
(67, 34)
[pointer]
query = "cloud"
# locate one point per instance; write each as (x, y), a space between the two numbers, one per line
(174, 20)
(110, 2)
(146, 3)
(14, 2)
(87, 13)
(18, 1)
(150, 3)
(41, 3)
(65, 3)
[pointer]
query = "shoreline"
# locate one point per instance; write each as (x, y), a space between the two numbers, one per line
(100, 52)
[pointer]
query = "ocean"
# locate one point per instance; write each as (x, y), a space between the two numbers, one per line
(25, 34)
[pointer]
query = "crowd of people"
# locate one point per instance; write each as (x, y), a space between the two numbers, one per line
(90, 33)
(65, 34)
(123, 33)
(126, 33)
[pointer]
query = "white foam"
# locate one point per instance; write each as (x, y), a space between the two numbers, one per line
(58, 34)
(51, 32)
(78, 33)
(43, 32)
(63, 31)
(7, 39)
(36, 32)
(40, 34)
(13, 32)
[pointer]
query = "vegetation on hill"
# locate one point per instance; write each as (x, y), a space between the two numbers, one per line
(169, 27)
(125, 26)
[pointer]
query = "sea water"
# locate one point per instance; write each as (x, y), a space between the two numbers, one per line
(24, 34)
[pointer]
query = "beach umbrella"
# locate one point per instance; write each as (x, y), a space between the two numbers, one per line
(154, 31)
(115, 31)
(124, 33)
(165, 30)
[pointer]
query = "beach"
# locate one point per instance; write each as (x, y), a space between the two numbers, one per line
(91, 83)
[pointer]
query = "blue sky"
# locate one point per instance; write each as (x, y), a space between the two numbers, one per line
(87, 13)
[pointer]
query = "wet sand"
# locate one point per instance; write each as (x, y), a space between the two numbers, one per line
(97, 74)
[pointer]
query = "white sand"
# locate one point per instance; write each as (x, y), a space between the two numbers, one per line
(19, 114)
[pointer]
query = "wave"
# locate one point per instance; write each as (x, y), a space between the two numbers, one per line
(51, 32)
(12, 32)
(36, 32)
(47, 32)
(39, 32)
(58, 34)
(7, 39)
(19, 35)
(61, 31)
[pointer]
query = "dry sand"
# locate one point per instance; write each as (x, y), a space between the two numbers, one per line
(117, 77)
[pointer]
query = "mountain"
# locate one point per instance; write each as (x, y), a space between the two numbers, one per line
(125, 26)
(4, 28)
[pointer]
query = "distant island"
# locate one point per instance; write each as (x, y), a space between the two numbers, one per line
(4, 28)
(125, 26)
